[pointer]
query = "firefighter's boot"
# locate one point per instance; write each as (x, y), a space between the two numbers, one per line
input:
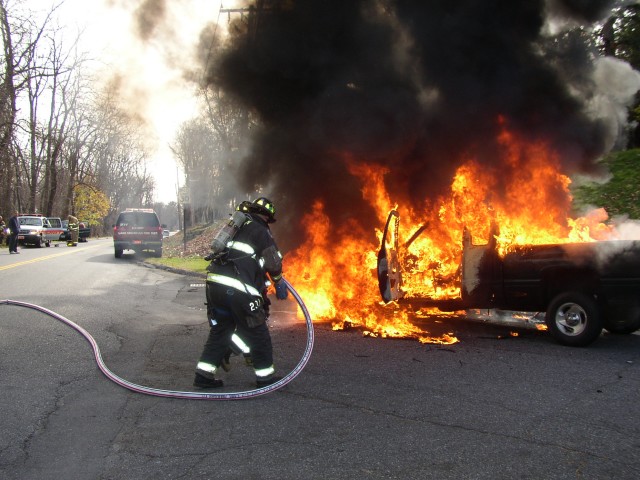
(203, 382)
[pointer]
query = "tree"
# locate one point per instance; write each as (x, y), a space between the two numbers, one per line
(64, 101)
(58, 137)
(118, 157)
(231, 123)
(20, 38)
(51, 98)
(620, 37)
(619, 196)
(91, 204)
(39, 106)
(79, 145)
(8, 109)
(198, 153)
(209, 149)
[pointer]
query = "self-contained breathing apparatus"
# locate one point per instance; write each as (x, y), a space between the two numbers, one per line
(224, 234)
(270, 259)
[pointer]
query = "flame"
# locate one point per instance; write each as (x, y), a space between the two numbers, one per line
(524, 194)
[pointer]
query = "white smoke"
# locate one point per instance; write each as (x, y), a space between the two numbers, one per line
(616, 83)
(625, 232)
(627, 229)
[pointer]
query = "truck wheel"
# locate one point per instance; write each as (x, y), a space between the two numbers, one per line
(574, 319)
(158, 253)
(39, 242)
(118, 252)
(622, 321)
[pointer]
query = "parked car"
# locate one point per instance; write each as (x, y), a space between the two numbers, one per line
(137, 229)
(37, 230)
(165, 233)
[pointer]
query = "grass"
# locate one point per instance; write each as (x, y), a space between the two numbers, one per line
(190, 264)
(174, 254)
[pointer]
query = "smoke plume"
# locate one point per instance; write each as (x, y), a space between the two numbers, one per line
(416, 87)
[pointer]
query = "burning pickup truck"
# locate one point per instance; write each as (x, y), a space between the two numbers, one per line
(582, 287)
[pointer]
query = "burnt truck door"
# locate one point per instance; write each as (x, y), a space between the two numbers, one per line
(389, 276)
(481, 273)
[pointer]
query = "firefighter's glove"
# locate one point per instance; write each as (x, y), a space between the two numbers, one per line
(281, 291)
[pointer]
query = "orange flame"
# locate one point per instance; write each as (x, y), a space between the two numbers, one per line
(524, 194)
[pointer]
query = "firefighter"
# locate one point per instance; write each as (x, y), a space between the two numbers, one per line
(74, 230)
(235, 303)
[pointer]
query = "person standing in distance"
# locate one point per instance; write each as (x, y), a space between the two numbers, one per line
(234, 287)
(3, 227)
(73, 231)
(14, 229)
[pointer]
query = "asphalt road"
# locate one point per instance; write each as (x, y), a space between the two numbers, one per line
(494, 406)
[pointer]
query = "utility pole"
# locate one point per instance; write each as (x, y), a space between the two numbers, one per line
(255, 14)
(180, 224)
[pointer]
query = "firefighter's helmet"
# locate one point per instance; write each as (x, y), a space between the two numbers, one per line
(262, 206)
(244, 206)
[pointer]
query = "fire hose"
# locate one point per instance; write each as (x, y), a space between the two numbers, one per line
(178, 394)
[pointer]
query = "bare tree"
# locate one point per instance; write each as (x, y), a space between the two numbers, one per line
(8, 110)
(209, 149)
(52, 84)
(65, 90)
(20, 37)
(80, 141)
(118, 156)
(198, 153)
(231, 122)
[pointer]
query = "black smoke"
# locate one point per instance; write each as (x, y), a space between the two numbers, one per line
(412, 85)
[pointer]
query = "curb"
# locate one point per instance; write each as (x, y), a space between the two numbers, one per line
(188, 273)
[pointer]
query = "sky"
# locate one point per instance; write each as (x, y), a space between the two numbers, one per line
(153, 68)
(152, 61)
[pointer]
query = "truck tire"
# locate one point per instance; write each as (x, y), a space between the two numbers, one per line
(622, 321)
(574, 319)
(118, 252)
(39, 242)
(158, 252)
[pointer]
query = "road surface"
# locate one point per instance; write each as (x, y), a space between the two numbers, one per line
(494, 406)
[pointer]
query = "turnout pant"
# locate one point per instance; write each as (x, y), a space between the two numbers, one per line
(229, 309)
